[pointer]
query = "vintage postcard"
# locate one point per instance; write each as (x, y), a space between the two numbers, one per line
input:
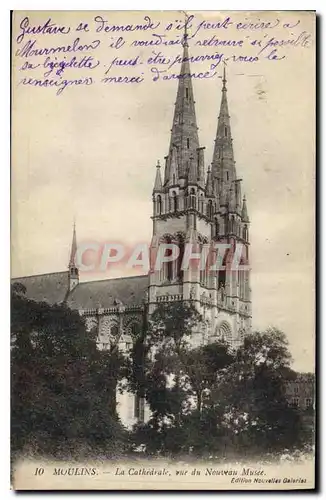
(163, 214)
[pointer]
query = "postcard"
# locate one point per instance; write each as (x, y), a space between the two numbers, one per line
(163, 250)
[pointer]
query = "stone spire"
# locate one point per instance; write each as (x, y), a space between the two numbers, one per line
(184, 132)
(158, 179)
(73, 250)
(223, 164)
(73, 273)
(244, 211)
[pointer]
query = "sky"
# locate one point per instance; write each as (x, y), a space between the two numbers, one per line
(90, 154)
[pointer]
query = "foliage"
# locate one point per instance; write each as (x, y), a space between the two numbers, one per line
(208, 399)
(62, 386)
(204, 399)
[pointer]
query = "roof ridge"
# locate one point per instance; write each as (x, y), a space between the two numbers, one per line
(113, 279)
(36, 275)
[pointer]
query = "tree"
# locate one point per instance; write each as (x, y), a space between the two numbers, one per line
(258, 416)
(63, 387)
(175, 377)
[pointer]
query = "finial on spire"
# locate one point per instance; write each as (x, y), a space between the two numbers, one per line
(244, 212)
(158, 178)
(185, 35)
(73, 245)
(224, 76)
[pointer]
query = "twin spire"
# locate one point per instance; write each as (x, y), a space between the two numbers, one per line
(184, 142)
(184, 163)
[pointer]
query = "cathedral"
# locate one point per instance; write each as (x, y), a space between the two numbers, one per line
(191, 204)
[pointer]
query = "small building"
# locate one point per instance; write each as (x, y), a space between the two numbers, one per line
(300, 391)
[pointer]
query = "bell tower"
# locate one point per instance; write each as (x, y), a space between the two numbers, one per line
(195, 209)
(231, 227)
(179, 200)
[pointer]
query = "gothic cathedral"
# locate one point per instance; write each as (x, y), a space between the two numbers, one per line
(192, 206)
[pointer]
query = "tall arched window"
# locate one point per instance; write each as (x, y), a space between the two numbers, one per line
(203, 272)
(188, 143)
(222, 271)
(217, 228)
(245, 232)
(210, 209)
(168, 272)
(201, 203)
(192, 198)
(180, 258)
(174, 201)
(226, 224)
(232, 228)
(159, 205)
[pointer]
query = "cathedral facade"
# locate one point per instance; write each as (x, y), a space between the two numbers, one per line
(193, 205)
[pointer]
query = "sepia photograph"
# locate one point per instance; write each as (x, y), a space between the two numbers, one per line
(163, 250)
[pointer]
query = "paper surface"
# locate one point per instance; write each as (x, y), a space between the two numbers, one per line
(92, 106)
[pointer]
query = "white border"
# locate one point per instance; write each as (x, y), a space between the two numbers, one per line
(190, 5)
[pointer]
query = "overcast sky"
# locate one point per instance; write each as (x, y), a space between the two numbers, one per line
(91, 153)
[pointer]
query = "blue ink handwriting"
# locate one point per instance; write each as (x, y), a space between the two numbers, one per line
(47, 28)
(29, 48)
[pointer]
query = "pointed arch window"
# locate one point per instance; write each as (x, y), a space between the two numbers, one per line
(188, 143)
(245, 232)
(159, 204)
(232, 225)
(168, 267)
(192, 198)
(241, 281)
(181, 245)
(210, 209)
(174, 201)
(187, 93)
(217, 228)
(225, 131)
(222, 272)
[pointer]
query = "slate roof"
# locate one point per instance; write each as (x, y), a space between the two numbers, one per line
(102, 294)
(50, 287)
